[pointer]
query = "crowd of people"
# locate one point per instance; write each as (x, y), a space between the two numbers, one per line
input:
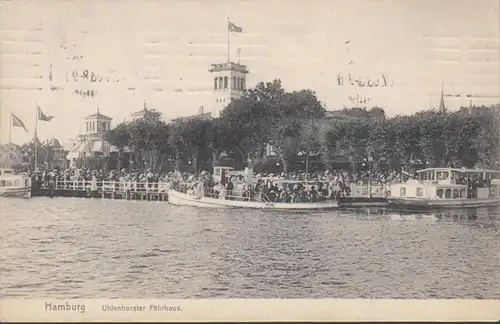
(291, 187)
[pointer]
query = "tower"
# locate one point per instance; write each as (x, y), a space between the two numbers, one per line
(97, 123)
(229, 82)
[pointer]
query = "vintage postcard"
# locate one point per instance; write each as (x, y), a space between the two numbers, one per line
(216, 160)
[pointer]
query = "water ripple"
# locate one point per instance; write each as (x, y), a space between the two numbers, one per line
(88, 248)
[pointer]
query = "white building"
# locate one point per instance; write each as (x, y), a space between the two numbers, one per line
(150, 115)
(229, 82)
(92, 143)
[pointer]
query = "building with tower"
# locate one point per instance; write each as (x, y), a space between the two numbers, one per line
(149, 115)
(91, 143)
(229, 82)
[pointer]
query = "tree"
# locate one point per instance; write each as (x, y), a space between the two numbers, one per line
(120, 138)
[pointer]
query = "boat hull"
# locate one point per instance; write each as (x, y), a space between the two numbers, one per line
(430, 203)
(181, 199)
(363, 202)
(15, 192)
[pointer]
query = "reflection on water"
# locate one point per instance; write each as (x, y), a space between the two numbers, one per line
(87, 248)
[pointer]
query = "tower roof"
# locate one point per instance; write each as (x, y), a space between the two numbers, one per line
(228, 66)
(98, 115)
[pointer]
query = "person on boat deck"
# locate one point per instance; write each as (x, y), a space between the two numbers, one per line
(229, 188)
(200, 189)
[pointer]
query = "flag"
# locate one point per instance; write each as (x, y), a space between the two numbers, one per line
(17, 122)
(42, 116)
(232, 27)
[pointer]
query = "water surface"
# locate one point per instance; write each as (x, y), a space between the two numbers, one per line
(94, 248)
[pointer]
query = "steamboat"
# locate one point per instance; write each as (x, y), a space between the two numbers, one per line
(14, 185)
(448, 188)
(201, 199)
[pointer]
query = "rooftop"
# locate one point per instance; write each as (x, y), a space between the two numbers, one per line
(98, 115)
(228, 66)
(206, 115)
(144, 112)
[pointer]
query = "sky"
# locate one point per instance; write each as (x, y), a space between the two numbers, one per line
(159, 52)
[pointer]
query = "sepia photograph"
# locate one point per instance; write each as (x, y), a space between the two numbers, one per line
(214, 149)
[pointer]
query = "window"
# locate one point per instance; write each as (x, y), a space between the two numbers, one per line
(2, 183)
(233, 85)
(93, 126)
(220, 82)
(215, 83)
(225, 82)
(463, 193)
(17, 183)
(9, 183)
(242, 84)
(217, 172)
(420, 192)
(445, 175)
(402, 191)
(456, 194)
(439, 193)
(447, 193)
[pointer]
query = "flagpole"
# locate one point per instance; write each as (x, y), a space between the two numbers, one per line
(228, 42)
(10, 128)
(36, 135)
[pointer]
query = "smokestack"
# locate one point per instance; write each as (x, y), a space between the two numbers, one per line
(201, 110)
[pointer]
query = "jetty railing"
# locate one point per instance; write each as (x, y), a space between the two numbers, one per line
(112, 186)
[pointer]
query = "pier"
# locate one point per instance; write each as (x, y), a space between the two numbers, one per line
(128, 190)
(158, 191)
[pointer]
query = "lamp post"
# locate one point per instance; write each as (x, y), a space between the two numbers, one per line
(307, 166)
(368, 162)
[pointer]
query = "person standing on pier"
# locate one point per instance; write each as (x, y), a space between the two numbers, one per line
(229, 188)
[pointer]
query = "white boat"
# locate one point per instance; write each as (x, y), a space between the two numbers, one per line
(14, 185)
(183, 199)
(448, 188)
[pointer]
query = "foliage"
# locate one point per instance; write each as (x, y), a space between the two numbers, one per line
(294, 123)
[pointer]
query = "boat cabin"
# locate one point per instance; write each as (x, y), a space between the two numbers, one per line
(6, 172)
(220, 172)
(223, 172)
(10, 180)
(449, 183)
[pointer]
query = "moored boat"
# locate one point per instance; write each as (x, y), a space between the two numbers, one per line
(184, 199)
(14, 185)
(448, 188)
(218, 197)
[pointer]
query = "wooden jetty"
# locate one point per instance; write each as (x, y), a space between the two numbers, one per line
(158, 191)
(128, 190)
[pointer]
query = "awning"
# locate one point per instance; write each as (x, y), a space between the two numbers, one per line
(97, 147)
(74, 153)
(84, 148)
